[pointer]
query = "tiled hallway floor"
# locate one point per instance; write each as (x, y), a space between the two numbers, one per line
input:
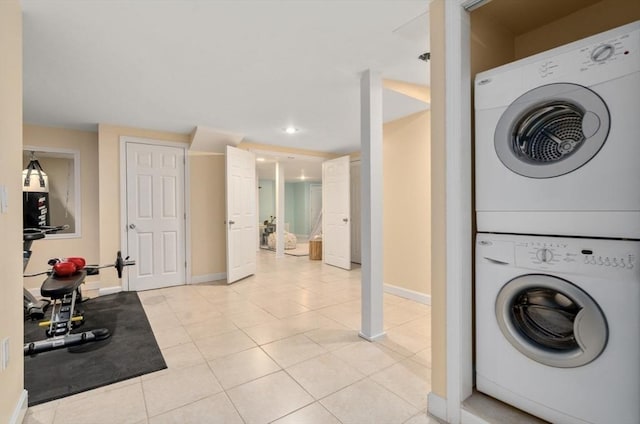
(281, 346)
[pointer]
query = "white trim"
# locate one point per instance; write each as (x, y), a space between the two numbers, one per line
(187, 216)
(206, 278)
(470, 5)
(437, 406)
(35, 291)
(124, 139)
(467, 417)
(92, 285)
(459, 210)
(20, 410)
(371, 338)
(103, 291)
(123, 208)
(408, 294)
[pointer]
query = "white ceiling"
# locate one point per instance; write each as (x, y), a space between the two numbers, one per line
(247, 67)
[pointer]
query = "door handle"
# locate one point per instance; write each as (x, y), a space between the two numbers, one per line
(345, 219)
(132, 226)
(231, 222)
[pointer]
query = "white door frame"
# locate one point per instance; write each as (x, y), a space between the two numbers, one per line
(123, 200)
(459, 215)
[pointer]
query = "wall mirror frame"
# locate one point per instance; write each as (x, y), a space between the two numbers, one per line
(63, 169)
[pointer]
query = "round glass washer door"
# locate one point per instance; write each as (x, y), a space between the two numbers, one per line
(552, 130)
(551, 321)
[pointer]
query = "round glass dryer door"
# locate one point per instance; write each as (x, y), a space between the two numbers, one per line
(552, 130)
(551, 321)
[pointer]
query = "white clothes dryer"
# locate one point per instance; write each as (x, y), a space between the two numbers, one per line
(558, 140)
(557, 326)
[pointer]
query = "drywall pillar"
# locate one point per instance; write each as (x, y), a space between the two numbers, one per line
(371, 204)
(279, 210)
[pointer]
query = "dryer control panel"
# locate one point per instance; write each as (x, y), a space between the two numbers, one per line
(601, 61)
(600, 58)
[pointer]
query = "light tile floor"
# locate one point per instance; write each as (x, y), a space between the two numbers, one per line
(279, 347)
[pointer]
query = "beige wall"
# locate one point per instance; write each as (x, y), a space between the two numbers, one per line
(208, 238)
(596, 18)
(407, 202)
(11, 379)
(109, 187)
(420, 92)
(491, 43)
(438, 211)
(87, 245)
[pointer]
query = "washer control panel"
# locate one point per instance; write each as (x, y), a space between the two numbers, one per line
(575, 255)
(591, 258)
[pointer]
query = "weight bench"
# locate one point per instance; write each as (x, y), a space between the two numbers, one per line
(64, 292)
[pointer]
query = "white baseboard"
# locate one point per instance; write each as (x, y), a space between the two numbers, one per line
(467, 417)
(102, 291)
(206, 278)
(21, 409)
(372, 338)
(437, 406)
(408, 294)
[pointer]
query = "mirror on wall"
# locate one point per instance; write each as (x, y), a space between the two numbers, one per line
(52, 196)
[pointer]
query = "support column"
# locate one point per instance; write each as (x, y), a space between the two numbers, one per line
(279, 210)
(371, 203)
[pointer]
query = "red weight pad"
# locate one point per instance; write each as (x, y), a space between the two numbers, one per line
(78, 261)
(64, 269)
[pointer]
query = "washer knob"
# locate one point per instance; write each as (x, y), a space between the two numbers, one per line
(544, 255)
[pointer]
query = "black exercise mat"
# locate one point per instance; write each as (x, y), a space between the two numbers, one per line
(131, 351)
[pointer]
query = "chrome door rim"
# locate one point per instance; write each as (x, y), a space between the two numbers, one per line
(590, 326)
(552, 130)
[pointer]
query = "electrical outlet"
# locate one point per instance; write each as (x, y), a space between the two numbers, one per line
(4, 353)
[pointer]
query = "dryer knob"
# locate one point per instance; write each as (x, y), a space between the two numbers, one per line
(602, 52)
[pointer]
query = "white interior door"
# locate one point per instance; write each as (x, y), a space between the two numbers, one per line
(155, 188)
(242, 219)
(336, 222)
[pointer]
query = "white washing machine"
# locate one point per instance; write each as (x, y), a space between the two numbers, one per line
(558, 140)
(558, 326)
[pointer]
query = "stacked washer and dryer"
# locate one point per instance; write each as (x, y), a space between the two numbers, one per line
(558, 243)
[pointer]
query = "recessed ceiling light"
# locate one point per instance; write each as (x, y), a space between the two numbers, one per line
(260, 159)
(291, 130)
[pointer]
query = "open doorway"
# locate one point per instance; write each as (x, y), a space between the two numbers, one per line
(302, 200)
